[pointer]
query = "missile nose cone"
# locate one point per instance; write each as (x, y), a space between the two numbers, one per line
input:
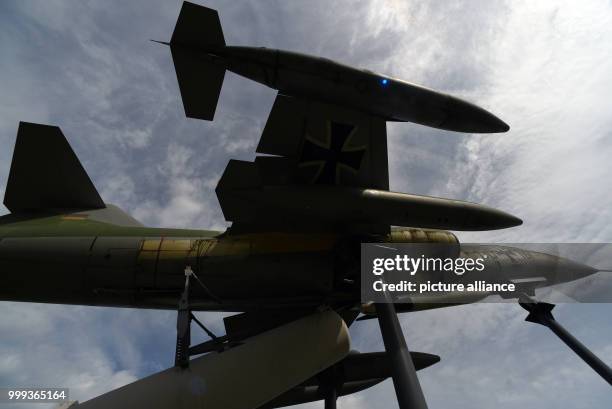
(464, 116)
(569, 270)
(492, 219)
(493, 124)
(511, 220)
(557, 269)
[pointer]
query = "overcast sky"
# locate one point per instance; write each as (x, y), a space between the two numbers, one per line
(544, 67)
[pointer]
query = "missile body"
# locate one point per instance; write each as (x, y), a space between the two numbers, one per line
(510, 271)
(307, 204)
(322, 79)
(524, 265)
(395, 100)
(527, 269)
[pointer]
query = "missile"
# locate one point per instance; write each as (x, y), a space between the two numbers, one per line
(201, 58)
(526, 268)
(357, 372)
(307, 204)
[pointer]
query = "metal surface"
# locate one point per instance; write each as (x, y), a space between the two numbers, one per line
(330, 398)
(405, 379)
(183, 327)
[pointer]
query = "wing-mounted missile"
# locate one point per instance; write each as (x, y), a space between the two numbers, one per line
(355, 373)
(330, 172)
(331, 208)
(201, 58)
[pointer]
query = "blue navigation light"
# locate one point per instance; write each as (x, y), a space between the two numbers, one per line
(384, 81)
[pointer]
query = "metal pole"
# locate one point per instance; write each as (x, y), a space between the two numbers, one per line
(330, 398)
(183, 326)
(405, 380)
(541, 313)
(329, 382)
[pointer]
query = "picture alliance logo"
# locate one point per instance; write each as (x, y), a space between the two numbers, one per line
(412, 265)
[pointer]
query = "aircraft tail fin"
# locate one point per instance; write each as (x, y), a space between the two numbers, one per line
(197, 30)
(46, 173)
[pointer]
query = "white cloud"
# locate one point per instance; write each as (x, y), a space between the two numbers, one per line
(551, 72)
(188, 205)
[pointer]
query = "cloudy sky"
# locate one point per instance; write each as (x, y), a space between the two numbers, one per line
(544, 67)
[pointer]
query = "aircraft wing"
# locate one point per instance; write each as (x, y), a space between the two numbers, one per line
(325, 144)
(308, 148)
(243, 377)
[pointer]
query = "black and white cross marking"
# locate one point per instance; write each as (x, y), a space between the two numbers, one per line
(333, 154)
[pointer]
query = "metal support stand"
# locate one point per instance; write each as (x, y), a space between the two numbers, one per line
(405, 380)
(541, 313)
(328, 381)
(183, 326)
(183, 329)
(330, 398)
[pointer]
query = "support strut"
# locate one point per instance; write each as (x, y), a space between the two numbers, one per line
(330, 398)
(541, 313)
(184, 350)
(329, 384)
(405, 380)
(183, 326)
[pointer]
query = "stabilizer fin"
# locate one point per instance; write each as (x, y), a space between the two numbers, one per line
(199, 26)
(197, 31)
(46, 174)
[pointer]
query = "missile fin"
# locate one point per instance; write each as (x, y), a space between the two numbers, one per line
(197, 30)
(198, 26)
(46, 174)
(200, 83)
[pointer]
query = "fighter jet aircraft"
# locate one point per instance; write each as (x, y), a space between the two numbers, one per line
(288, 262)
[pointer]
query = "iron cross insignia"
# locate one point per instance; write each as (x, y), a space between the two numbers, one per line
(333, 154)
